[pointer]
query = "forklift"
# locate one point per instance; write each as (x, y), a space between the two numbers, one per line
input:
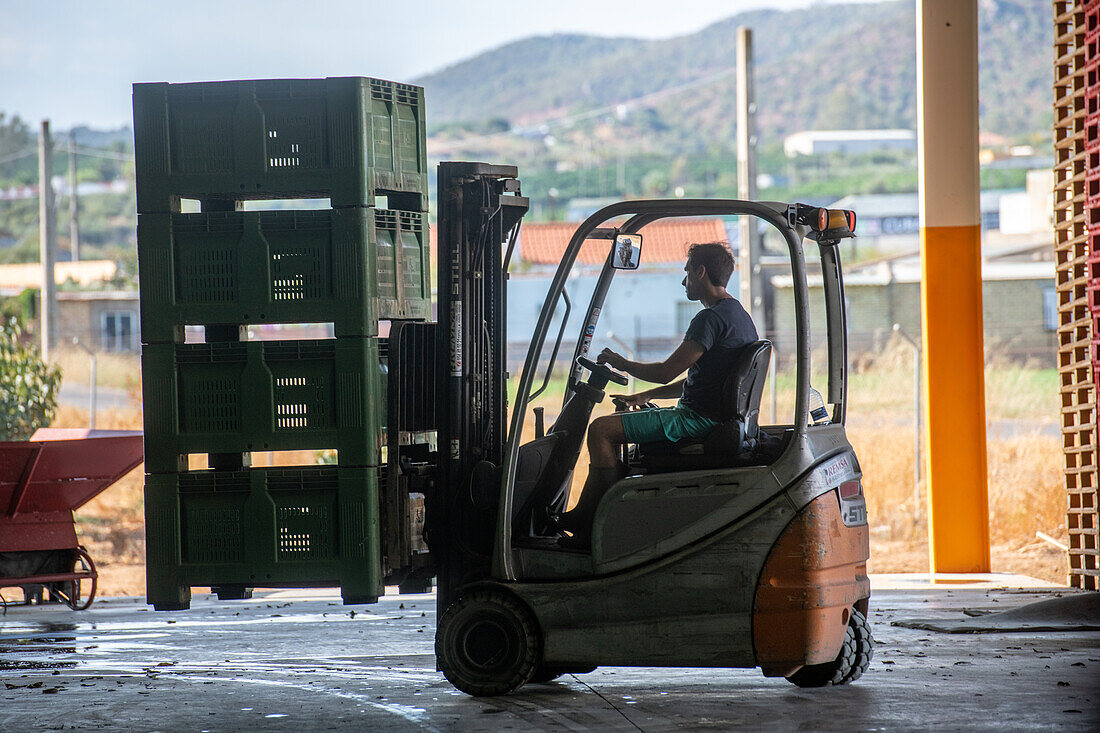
(745, 549)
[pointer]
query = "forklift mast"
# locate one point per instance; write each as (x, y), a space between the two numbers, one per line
(461, 389)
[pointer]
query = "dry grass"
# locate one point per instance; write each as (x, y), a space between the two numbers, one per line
(122, 371)
(1025, 493)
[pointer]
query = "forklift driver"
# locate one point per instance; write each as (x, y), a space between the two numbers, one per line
(706, 353)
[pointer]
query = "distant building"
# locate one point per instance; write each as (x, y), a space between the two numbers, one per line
(1031, 211)
(16, 278)
(646, 311)
(898, 214)
(579, 209)
(103, 320)
(823, 142)
(1018, 305)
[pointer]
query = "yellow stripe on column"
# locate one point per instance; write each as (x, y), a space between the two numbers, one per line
(954, 398)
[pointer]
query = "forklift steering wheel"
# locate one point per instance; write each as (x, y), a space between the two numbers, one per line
(603, 370)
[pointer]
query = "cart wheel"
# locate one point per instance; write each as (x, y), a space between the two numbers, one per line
(849, 665)
(68, 592)
(488, 643)
(548, 673)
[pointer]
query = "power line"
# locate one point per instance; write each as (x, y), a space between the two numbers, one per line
(100, 153)
(26, 153)
(570, 119)
(90, 152)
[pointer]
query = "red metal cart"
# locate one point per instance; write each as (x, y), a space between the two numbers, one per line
(42, 481)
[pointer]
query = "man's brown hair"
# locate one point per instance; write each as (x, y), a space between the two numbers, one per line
(716, 257)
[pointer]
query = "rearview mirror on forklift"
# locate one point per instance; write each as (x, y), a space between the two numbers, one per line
(627, 253)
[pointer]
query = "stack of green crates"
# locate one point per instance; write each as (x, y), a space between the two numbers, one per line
(360, 143)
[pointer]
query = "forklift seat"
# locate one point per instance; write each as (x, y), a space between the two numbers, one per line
(731, 440)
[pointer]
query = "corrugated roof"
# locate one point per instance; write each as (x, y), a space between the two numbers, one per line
(663, 242)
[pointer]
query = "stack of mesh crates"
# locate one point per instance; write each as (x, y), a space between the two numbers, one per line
(1077, 272)
(360, 143)
(1082, 517)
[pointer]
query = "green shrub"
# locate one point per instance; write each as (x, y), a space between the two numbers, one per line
(28, 386)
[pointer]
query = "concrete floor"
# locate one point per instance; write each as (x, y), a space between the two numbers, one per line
(294, 660)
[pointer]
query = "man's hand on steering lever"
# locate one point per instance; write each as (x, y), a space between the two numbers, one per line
(630, 401)
(657, 372)
(612, 359)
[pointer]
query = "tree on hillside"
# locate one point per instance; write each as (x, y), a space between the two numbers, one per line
(28, 386)
(16, 138)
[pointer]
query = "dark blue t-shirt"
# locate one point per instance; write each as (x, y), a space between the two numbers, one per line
(720, 330)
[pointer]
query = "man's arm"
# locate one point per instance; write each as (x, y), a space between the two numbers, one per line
(659, 372)
(664, 392)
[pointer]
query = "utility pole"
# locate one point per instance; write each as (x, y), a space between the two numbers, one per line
(752, 286)
(74, 206)
(47, 320)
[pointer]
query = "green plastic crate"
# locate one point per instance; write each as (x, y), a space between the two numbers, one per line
(343, 138)
(274, 527)
(241, 397)
(348, 267)
(403, 276)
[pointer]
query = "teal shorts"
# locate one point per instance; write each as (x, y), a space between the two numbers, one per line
(665, 423)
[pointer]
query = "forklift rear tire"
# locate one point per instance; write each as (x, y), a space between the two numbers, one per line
(850, 664)
(488, 643)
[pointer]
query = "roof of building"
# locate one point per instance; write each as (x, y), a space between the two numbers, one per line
(663, 242)
(29, 275)
(108, 295)
(846, 135)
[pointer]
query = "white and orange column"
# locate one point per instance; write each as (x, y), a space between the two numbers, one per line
(951, 293)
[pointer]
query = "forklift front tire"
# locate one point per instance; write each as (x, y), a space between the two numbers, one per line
(488, 643)
(849, 665)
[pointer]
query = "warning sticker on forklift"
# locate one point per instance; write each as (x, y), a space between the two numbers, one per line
(589, 331)
(838, 469)
(456, 340)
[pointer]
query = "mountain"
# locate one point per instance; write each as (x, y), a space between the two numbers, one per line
(820, 67)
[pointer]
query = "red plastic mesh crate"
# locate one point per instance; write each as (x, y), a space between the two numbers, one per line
(1093, 297)
(1092, 25)
(1093, 261)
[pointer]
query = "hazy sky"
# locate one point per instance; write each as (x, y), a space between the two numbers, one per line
(73, 62)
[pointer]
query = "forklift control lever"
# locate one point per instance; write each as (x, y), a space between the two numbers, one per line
(601, 373)
(540, 422)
